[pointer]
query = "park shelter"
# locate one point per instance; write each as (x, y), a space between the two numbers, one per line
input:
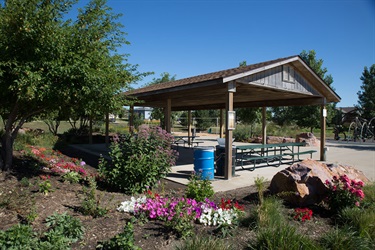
(285, 81)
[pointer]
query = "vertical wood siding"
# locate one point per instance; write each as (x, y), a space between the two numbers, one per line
(274, 78)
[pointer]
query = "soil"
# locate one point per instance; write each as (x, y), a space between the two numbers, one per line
(18, 201)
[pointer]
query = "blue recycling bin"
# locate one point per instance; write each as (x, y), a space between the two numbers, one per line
(204, 162)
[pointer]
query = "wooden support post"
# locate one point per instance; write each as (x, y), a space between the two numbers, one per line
(264, 126)
(323, 115)
(167, 115)
(229, 132)
(222, 111)
(189, 126)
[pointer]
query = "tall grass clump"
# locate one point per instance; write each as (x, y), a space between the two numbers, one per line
(369, 200)
(343, 238)
(281, 237)
(360, 220)
(204, 243)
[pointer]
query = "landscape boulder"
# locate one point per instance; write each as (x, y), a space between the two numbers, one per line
(303, 183)
(308, 138)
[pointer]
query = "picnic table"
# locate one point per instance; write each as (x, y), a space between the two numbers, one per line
(271, 154)
(185, 140)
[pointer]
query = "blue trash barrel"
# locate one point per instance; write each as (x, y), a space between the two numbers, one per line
(204, 162)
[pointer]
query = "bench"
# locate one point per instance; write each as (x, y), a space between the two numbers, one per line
(261, 158)
(300, 153)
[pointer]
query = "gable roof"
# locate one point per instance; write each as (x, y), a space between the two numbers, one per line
(207, 90)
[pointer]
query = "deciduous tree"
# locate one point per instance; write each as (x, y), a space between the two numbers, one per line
(48, 60)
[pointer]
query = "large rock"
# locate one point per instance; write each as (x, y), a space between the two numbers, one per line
(309, 138)
(303, 183)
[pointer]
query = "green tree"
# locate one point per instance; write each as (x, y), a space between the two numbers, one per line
(366, 96)
(48, 61)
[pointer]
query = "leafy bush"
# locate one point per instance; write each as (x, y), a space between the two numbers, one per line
(72, 177)
(64, 226)
(18, 237)
(199, 189)
(139, 162)
(63, 230)
(124, 240)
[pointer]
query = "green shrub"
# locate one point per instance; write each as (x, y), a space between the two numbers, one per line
(343, 239)
(282, 237)
(91, 202)
(199, 189)
(64, 226)
(72, 177)
(124, 240)
(18, 237)
(139, 162)
(204, 243)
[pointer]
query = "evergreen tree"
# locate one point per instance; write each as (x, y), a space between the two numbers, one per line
(366, 96)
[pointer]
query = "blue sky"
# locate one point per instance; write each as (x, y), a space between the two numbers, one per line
(191, 37)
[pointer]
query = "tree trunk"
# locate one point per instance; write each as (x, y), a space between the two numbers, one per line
(6, 151)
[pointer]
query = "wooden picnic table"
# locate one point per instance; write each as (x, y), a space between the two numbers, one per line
(269, 153)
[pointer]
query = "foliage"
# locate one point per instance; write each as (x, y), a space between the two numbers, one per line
(344, 192)
(302, 214)
(205, 118)
(261, 187)
(249, 115)
(72, 177)
(281, 237)
(45, 187)
(369, 200)
(33, 138)
(199, 189)
(64, 225)
(139, 162)
(366, 96)
(343, 238)
(91, 202)
(270, 213)
(123, 240)
(63, 230)
(18, 237)
(204, 243)
(243, 133)
(50, 61)
(360, 220)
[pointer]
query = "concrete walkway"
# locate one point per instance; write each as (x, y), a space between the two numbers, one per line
(358, 155)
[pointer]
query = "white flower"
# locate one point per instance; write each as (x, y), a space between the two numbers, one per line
(130, 206)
